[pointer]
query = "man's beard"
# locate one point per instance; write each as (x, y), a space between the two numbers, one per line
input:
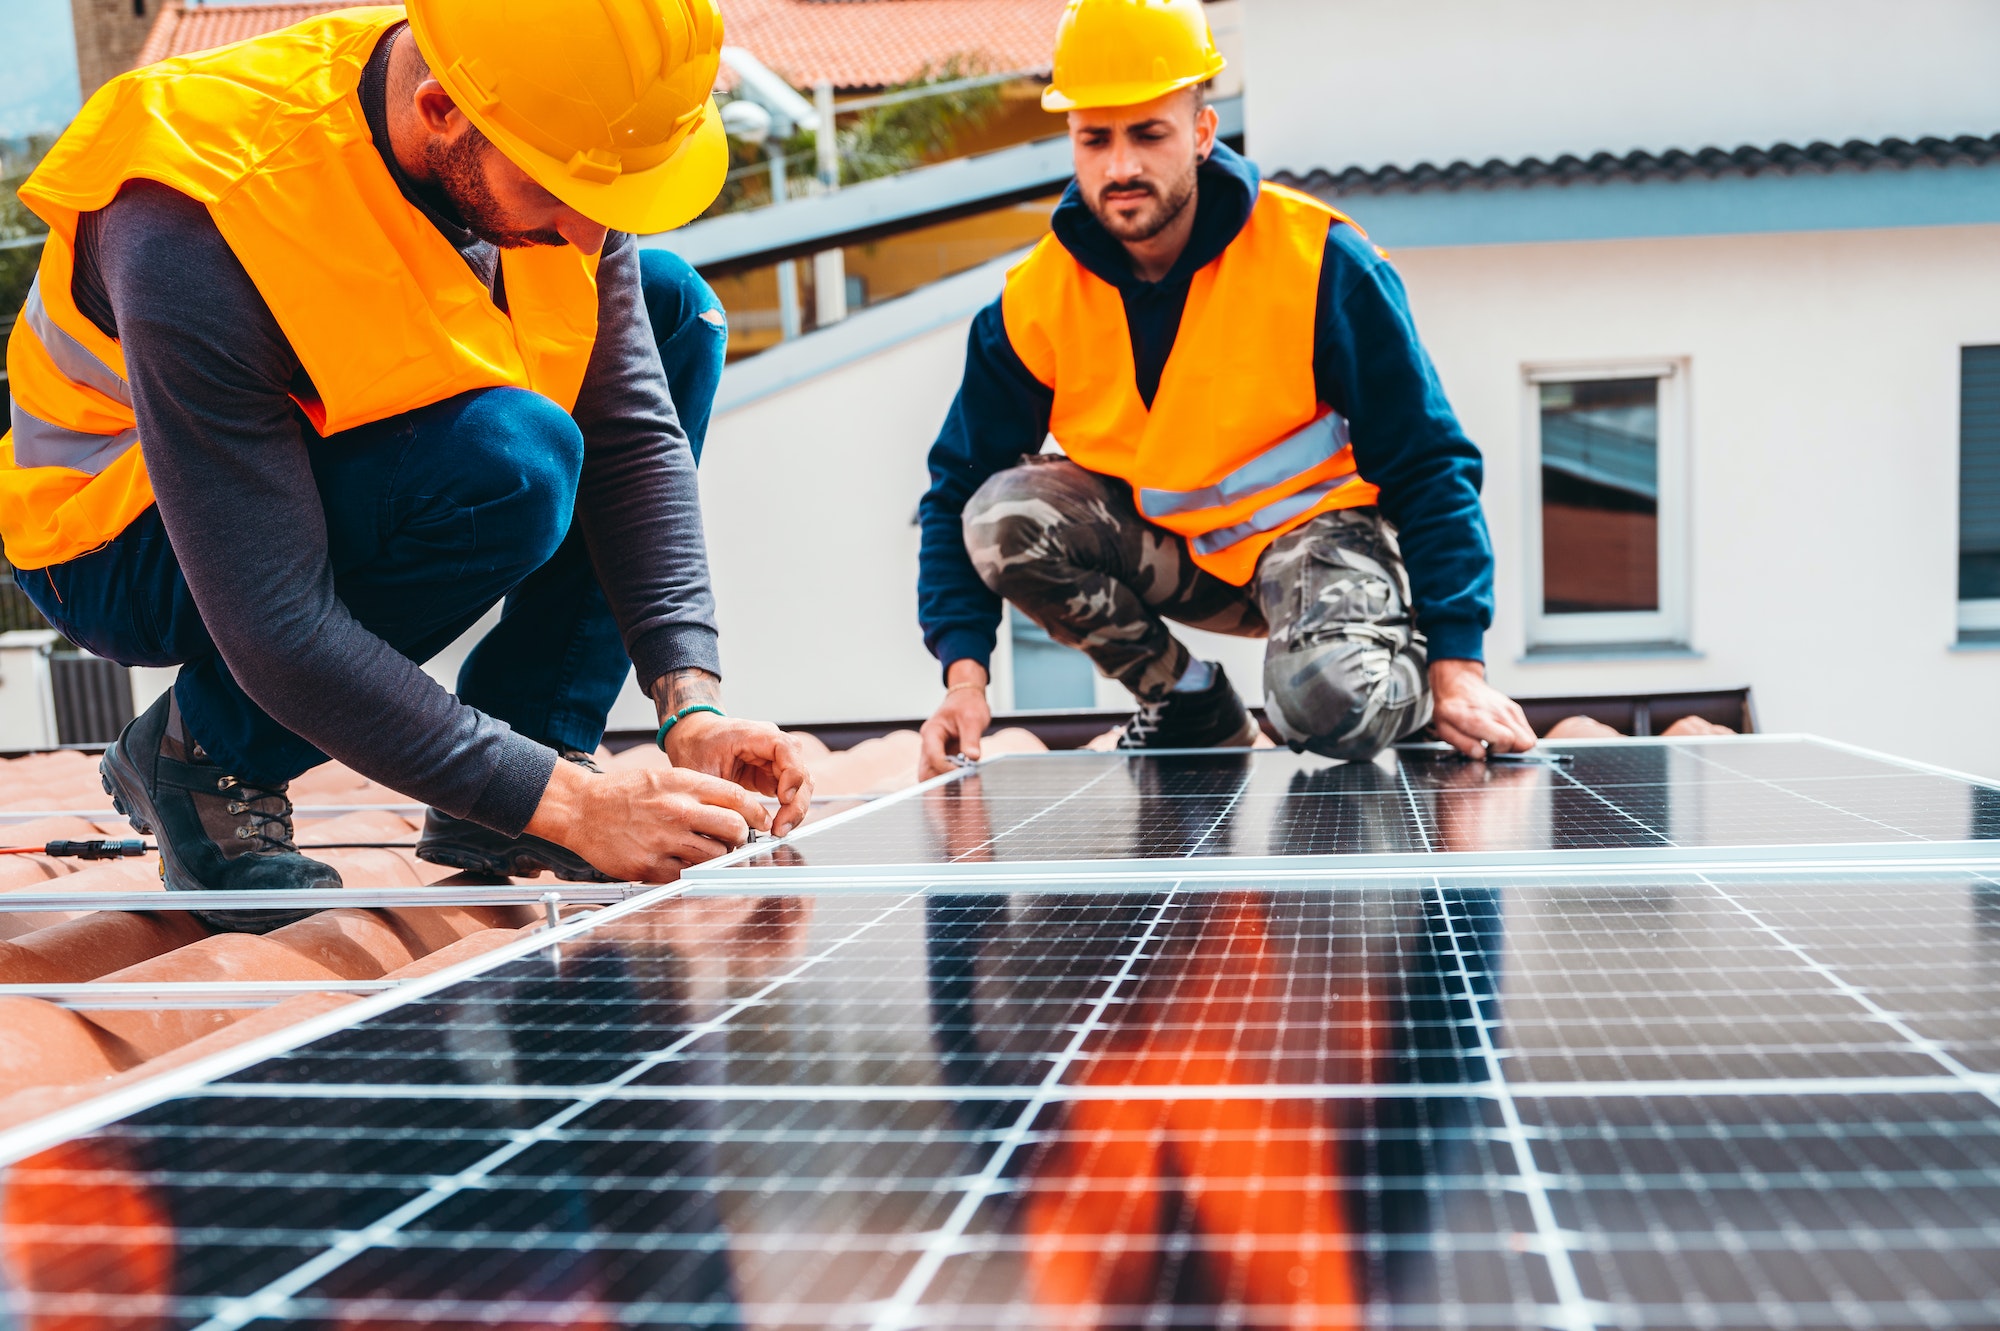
(1144, 228)
(457, 168)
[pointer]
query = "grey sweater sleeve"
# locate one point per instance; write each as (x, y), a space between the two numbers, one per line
(637, 501)
(209, 370)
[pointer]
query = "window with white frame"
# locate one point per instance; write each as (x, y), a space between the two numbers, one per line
(1979, 494)
(1047, 675)
(1607, 523)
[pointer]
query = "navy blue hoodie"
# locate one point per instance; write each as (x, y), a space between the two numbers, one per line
(1368, 365)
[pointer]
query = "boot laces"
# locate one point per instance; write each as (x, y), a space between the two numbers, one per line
(1145, 723)
(267, 807)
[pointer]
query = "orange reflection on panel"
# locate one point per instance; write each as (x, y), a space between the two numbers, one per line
(88, 1244)
(1253, 1183)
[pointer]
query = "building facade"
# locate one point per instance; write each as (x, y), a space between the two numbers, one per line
(1715, 285)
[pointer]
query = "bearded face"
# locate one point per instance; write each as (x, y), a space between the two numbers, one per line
(1135, 165)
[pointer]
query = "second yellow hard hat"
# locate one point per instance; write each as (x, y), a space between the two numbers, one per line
(1124, 52)
(604, 103)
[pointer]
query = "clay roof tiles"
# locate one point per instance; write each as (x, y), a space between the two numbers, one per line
(1673, 164)
(852, 43)
(874, 43)
(52, 1056)
(181, 29)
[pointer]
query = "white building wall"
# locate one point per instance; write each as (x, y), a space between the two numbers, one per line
(1346, 82)
(1823, 374)
(808, 496)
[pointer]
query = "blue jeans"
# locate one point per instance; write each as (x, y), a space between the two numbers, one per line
(412, 506)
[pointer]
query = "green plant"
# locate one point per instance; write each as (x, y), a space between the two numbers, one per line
(881, 141)
(887, 139)
(17, 262)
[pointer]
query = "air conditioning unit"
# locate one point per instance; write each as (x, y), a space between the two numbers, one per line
(93, 697)
(27, 690)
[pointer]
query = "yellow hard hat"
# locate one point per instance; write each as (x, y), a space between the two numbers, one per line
(604, 103)
(1124, 52)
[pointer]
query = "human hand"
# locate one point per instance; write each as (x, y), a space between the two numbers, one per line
(754, 754)
(1474, 717)
(1694, 725)
(1582, 727)
(959, 722)
(645, 824)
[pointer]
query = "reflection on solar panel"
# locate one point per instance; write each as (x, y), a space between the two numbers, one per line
(1635, 802)
(1628, 1094)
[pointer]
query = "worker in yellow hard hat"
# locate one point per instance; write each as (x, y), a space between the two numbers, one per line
(1253, 441)
(341, 337)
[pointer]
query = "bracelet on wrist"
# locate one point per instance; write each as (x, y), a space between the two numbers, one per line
(685, 712)
(954, 688)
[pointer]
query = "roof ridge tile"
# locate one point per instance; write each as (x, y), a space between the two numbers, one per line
(1641, 164)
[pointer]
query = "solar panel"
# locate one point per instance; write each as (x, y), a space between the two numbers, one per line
(1545, 1094)
(1637, 799)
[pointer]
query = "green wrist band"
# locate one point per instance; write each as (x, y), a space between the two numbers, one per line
(689, 710)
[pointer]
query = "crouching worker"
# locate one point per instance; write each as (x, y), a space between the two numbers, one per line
(338, 339)
(1255, 441)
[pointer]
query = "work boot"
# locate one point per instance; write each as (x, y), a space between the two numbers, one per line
(460, 843)
(1210, 718)
(215, 831)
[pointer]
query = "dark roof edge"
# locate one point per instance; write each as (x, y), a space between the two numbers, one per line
(1674, 164)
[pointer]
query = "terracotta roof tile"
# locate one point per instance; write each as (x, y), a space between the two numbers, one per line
(852, 43)
(872, 43)
(180, 29)
(51, 1057)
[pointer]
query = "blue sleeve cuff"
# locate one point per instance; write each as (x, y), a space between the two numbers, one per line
(1455, 640)
(965, 644)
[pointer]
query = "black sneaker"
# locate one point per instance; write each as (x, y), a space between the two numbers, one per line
(1214, 718)
(460, 843)
(216, 832)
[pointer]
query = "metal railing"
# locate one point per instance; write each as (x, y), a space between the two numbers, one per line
(551, 900)
(173, 995)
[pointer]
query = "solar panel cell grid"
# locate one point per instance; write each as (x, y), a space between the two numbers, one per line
(1715, 1098)
(1780, 1210)
(1111, 807)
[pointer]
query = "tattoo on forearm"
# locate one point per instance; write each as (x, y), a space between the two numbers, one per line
(680, 688)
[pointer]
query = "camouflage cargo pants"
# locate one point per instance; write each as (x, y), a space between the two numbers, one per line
(1344, 666)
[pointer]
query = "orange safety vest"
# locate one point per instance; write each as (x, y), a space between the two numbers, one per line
(1237, 449)
(383, 313)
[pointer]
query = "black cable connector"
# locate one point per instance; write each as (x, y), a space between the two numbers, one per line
(95, 850)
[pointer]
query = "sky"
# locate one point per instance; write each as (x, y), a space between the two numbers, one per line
(38, 89)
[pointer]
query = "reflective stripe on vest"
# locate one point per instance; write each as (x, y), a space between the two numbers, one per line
(1291, 457)
(38, 443)
(1271, 516)
(73, 358)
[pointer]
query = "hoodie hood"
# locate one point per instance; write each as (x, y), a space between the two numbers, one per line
(1225, 192)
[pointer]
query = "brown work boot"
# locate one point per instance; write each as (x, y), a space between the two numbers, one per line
(216, 831)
